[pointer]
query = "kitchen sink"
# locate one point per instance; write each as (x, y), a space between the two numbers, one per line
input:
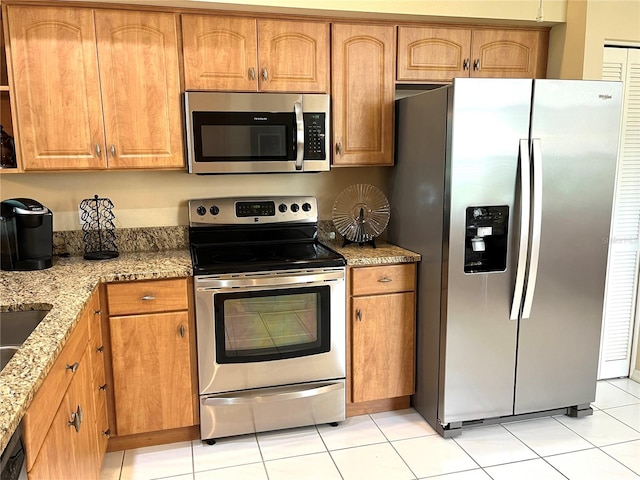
(15, 328)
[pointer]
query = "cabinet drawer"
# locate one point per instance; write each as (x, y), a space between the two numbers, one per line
(42, 410)
(383, 279)
(147, 296)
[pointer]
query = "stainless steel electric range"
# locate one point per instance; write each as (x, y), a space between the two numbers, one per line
(270, 316)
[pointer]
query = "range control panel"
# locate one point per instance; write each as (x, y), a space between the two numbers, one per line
(252, 210)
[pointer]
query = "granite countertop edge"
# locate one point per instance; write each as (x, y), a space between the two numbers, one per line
(66, 288)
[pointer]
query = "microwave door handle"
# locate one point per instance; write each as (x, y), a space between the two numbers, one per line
(297, 108)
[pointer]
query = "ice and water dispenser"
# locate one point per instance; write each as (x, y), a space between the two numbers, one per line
(486, 239)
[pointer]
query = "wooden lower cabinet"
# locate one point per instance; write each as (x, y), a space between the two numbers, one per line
(152, 357)
(381, 334)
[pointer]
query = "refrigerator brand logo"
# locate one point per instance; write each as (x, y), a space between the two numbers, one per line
(604, 96)
(260, 118)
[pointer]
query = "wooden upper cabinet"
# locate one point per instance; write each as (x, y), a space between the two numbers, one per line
(294, 56)
(96, 93)
(57, 88)
(140, 76)
(220, 53)
(362, 86)
(437, 54)
(440, 54)
(242, 54)
(508, 54)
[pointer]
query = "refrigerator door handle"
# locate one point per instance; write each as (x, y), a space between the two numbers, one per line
(536, 227)
(525, 208)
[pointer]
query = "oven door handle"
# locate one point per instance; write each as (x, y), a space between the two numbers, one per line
(205, 284)
(278, 394)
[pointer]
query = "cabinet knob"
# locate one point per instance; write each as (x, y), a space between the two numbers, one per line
(339, 148)
(476, 64)
(100, 349)
(98, 150)
(148, 298)
(465, 64)
(385, 280)
(359, 315)
(265, 74)
(76, 419)
(182, 331)
(97, 312)
(252, 74)
(107, 432)
(73, 367)
(102, 387)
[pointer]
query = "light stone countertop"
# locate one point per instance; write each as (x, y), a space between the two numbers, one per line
(66, 288)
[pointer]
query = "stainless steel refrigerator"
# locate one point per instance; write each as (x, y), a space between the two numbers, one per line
(505, 186)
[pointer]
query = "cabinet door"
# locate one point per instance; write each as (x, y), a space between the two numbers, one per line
(140, 77)
(151, 372)
(433, 54)
(220, 53)
(293, 56)
(66, 452)
(383, 339)
(363, 70)
(57, 88)
(507, 54)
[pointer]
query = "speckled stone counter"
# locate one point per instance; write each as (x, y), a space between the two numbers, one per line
(384, 253)
(65, 289)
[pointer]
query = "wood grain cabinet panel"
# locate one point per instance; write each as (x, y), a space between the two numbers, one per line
(96, 89)
(245, 54)
(439, 54)
(362, 85)
(57, 88)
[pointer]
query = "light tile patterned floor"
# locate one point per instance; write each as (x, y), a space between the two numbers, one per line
(401, 446)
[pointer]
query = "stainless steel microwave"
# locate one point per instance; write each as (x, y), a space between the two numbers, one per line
(257, 132)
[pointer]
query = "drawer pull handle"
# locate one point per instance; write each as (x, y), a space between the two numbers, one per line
(73, 367)
(385, 280)
(100, 349)
(102, 387)
(148, 298)
(359, 315)
(182, 331)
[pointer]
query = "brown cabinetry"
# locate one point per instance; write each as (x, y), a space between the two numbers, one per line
(438, 54)
(362, 88)
(85, 98)
(245, 54)
(152, 355)
(382, 337)
(61, 439)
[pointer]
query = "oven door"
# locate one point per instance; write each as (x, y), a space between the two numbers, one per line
(270, 328)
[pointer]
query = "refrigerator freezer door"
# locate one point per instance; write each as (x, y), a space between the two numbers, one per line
(478, 339)
(576, 125)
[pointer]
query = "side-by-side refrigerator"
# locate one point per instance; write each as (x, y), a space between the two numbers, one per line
(505, 187)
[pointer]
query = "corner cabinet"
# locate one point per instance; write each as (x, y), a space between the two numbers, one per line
(96, 89)
(62, 427)
(151, 333)
(439, 54)
(381, 329)
(362, 88)
(245, 54)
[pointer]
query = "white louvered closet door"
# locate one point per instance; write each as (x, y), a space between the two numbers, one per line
(624, 244)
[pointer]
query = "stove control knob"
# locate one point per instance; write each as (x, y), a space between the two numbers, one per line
(201, 210)
(295, 207)
(282, 207)
(215, 210)
(306, 206)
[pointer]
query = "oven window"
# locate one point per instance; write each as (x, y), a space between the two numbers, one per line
(272, 324)
(240, 136)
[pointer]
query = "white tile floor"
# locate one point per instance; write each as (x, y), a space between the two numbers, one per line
(401, 445)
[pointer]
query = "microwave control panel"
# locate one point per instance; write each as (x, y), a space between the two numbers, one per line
(314, 136)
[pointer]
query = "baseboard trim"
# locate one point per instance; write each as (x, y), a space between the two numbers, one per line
(635, 375)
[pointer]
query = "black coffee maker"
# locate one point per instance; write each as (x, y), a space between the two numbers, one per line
(26, 235)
